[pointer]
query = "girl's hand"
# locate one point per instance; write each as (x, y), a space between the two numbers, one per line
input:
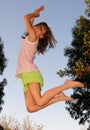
(37, 12)
(41, 8)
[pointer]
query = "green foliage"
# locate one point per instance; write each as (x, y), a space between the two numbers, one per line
(3, 62)
(81, 108)
(2, 58)
(78, 68)
(87, 11)
(79, 52)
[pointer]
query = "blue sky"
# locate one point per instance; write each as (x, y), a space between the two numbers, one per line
(60, 16)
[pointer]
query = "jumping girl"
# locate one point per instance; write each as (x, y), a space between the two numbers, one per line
(39, 37)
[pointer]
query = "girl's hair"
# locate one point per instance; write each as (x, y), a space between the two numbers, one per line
(48, 41)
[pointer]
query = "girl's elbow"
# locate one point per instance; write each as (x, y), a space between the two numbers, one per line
(25, 17)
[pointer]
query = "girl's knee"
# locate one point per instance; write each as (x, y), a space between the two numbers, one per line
(40, 103)
(31, 108)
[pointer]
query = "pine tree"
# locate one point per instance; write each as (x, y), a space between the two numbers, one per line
(3, 62)
(78, 67)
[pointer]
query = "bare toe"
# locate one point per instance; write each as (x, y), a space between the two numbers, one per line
(64, 97)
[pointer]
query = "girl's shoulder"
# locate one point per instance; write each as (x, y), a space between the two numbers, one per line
(30, 42)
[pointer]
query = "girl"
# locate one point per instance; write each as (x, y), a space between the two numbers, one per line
(39, 38)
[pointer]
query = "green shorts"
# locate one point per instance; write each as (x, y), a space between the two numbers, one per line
(31, 77)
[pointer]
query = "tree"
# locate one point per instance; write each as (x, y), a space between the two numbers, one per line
(78, 68)
(87, 11)
(3, 62)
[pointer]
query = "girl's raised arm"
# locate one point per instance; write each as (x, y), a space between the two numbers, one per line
(29, 19)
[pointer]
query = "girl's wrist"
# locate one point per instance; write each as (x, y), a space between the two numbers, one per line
(31, 15)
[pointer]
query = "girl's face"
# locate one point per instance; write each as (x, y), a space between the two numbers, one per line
(40, 30)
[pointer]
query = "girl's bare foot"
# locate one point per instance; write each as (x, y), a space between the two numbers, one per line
(63, 97)
(73, 84)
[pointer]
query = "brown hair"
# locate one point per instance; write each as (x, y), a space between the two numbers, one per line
(48, 41)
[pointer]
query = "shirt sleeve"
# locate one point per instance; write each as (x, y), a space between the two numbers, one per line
(36, 42)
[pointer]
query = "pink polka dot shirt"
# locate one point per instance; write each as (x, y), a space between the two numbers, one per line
(26, 57)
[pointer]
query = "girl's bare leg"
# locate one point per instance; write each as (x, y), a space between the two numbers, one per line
(33, 107)
(50, 94)
(35, 102)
